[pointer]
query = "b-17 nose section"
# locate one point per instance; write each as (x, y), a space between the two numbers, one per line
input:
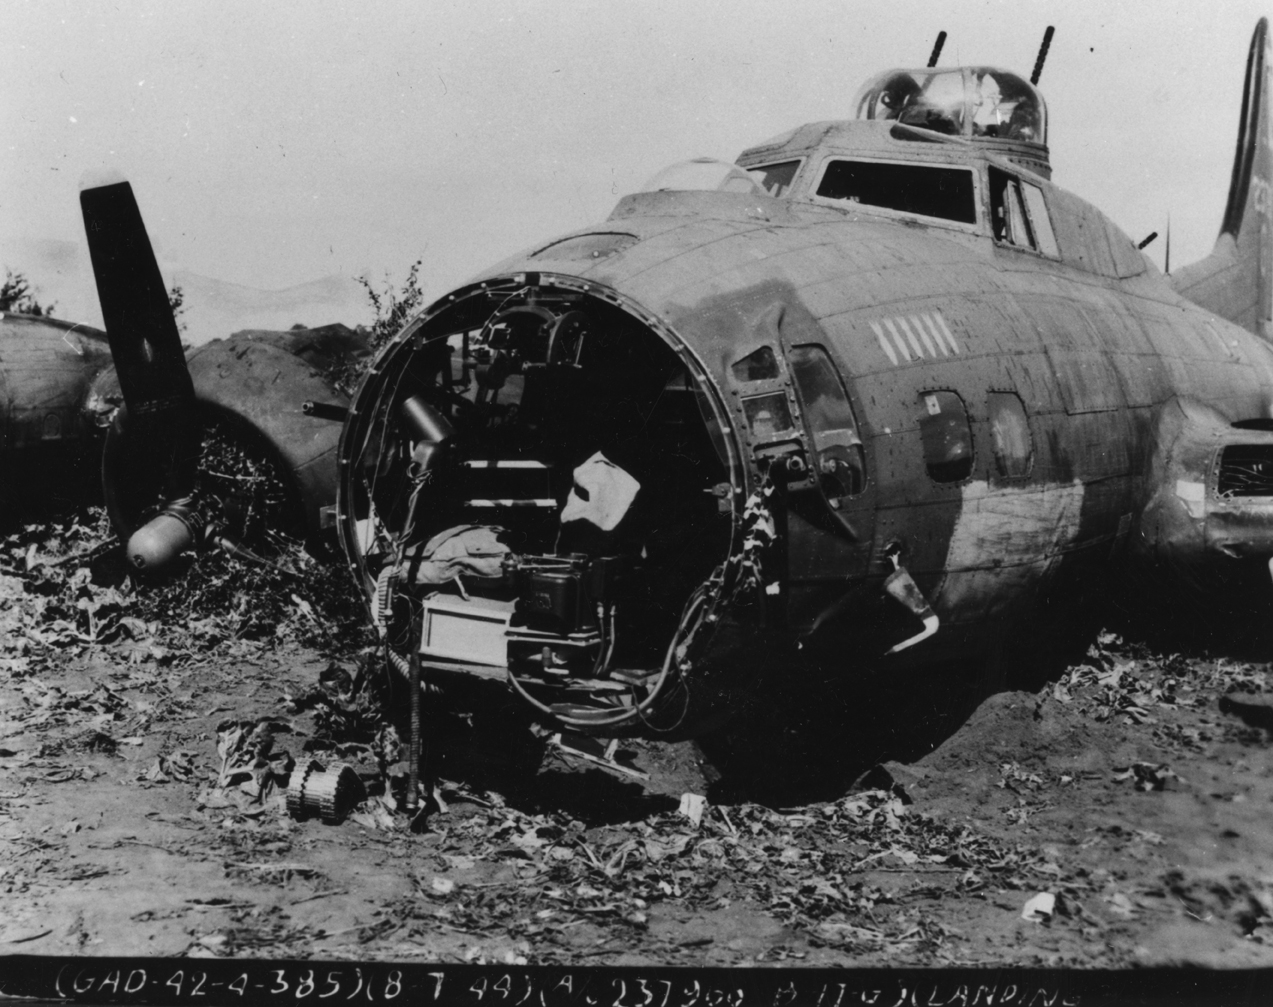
(540, 483)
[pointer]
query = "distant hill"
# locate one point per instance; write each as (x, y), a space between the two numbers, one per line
(60, 273)
(213, 308)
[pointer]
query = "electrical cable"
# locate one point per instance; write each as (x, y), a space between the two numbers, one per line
(695, 600)
(599, 663)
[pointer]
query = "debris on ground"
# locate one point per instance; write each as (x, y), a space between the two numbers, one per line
(65, 591)
(1039, 908)
(328, 793)
(1147, 776)
(151, 735)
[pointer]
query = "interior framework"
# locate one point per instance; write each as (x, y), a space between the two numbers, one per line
(486, 496)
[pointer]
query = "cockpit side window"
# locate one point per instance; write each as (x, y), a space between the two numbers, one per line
(1019, 214)
(838, 454)
(923, 189)
(776, 179)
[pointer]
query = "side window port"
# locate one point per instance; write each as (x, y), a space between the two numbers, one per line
(1040, 223)
(768, 415)
(1010, 435)
(759, 365)
(1019, 214)
(837, 446)
(946, 436)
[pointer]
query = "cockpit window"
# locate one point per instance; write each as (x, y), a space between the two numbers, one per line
(775, 179)
(961, 101)
(837, 446)
(702, 174)
(924, 189)
(1019, 214)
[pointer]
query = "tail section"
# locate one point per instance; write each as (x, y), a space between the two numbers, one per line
(1234, 281)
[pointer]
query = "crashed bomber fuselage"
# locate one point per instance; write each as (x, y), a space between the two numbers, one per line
(989, 387)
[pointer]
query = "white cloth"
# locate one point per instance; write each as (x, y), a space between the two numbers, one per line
(602, 493)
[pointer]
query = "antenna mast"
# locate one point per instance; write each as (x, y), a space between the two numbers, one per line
(1043, 54)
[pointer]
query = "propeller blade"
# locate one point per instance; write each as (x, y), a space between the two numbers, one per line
(144, 339)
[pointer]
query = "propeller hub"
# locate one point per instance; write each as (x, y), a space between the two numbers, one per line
(157, 544)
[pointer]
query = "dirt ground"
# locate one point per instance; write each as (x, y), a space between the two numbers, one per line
(141, 813)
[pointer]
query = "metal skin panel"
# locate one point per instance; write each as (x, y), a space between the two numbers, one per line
(1081, 233)
(46, 367)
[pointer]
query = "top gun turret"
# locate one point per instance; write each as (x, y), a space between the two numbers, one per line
(995, 109)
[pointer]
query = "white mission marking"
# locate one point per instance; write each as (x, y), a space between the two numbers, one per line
(910, 337)
(897, 339)
(915, 337)
(946, 331)
(885, 345)
(932, 327)
(1024, 528)
(924, 337)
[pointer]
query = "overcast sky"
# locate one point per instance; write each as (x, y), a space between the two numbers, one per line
(274, 144)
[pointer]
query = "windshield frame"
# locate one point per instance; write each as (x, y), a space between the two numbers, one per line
(790, 188)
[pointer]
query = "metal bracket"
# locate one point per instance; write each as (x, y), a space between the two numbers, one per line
(901, 587)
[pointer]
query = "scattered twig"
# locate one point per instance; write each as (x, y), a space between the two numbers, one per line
(28, 937)
(320, 895)
(295, 868)
(132, 842)
(591, 856)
